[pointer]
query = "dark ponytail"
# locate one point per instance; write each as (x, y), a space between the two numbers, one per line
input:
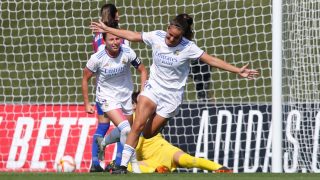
(108, 14)
(184, 22)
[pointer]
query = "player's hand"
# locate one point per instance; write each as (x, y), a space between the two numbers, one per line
(89, 109)
(248, 73)
(98, 26)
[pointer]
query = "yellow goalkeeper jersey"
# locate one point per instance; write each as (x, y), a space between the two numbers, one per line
(156, 152)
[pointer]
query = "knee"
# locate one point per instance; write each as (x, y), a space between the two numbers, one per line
(103, 119)
(137, 127)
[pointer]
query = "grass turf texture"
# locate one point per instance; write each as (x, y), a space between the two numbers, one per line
(173, 176)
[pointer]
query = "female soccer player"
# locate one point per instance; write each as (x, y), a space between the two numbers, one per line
(157, 155)
(109, 14)
(114, 84)
(172, 52)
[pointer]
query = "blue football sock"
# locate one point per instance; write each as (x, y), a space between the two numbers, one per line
(119, 154)
(100, 132)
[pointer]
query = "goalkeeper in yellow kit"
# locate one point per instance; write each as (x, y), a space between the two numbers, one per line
(157, 155)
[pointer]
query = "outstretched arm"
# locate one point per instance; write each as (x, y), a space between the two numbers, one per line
(126, 34)
(216, 62)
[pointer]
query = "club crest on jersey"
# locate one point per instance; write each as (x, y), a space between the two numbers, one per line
(106, 65)
(124, 61)
(177, 52)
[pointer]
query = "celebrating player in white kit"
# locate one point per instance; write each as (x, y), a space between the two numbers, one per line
(114, 84)
(109, 14)
(172, 52)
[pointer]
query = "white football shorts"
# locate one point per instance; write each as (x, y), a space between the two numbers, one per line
(108, 105)
(168, 101)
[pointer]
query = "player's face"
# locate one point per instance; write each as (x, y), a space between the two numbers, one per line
(173, 36)
(112, 44)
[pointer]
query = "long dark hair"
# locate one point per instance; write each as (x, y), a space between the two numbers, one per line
(108, 14)
(183, 22)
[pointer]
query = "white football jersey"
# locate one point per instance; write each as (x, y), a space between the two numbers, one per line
(113, 75)
(171, 65)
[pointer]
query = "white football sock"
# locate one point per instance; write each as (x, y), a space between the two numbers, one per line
(126, 155)
(124, 128)
(134, 163)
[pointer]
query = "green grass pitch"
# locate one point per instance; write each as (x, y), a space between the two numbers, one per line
(173, 176)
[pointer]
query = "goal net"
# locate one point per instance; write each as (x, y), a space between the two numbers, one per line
(301, 85)
(224, 118)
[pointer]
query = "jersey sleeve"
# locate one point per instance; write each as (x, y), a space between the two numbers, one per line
(194, 52)
(93, 64)
(148, 37)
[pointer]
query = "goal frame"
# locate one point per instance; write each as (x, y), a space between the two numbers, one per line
(276, 122)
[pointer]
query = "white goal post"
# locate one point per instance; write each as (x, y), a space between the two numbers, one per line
(225, 118)
(276, 121)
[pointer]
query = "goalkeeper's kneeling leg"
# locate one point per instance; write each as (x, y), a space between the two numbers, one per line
(188, 161)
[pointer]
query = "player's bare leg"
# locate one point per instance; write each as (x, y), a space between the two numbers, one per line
(153, 126)
(145, 109)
